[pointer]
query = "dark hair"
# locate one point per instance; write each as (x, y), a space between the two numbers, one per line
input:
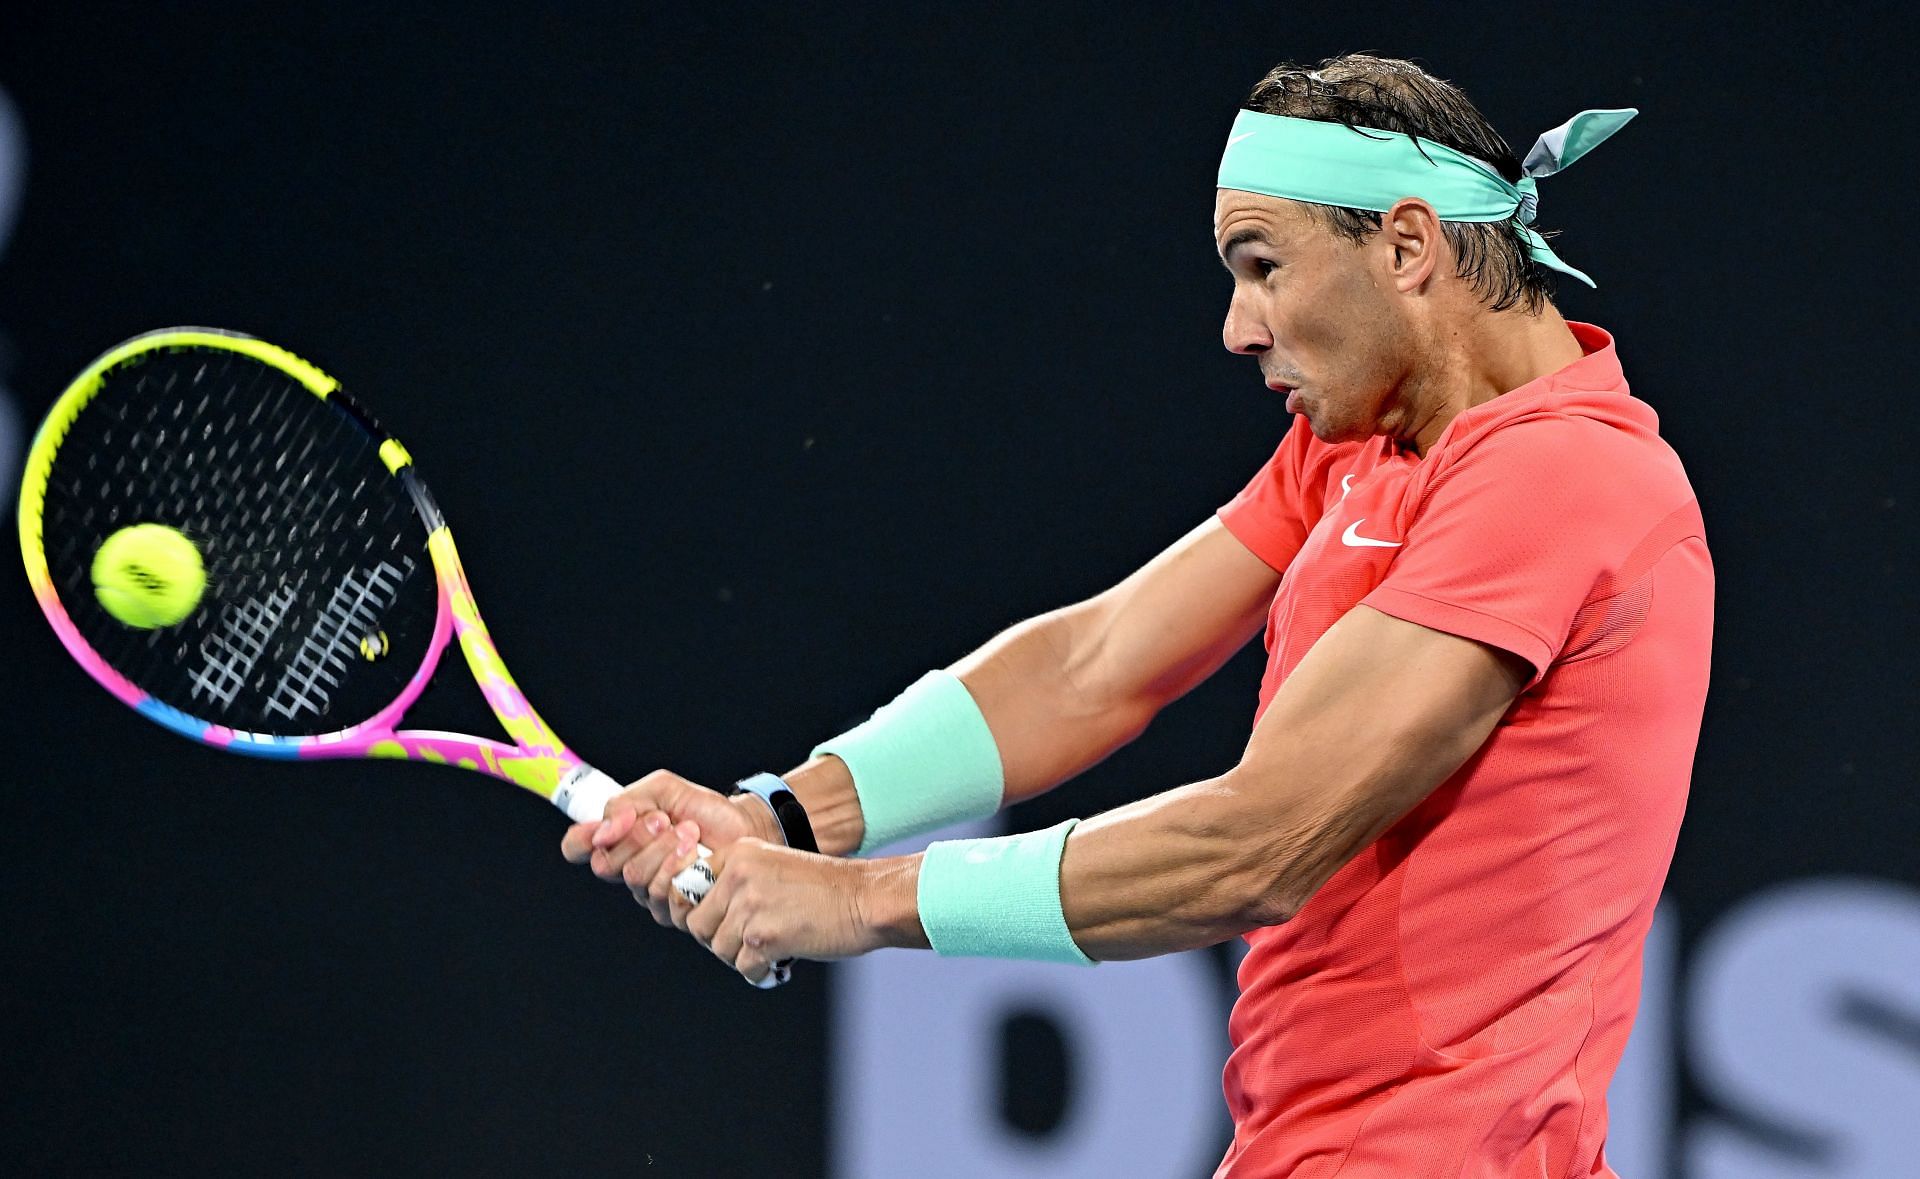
(1388, 94)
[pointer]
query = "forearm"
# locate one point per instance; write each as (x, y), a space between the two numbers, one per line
(1187, 868)
(1059, 692)
(1049, 717)
(1049, 692)
(1064, 690)
(1377, 714)
(1200, 864)
(1045, 726)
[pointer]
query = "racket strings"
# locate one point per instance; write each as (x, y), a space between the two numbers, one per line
(310, 544)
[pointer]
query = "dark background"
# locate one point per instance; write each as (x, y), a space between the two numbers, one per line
(764, 356)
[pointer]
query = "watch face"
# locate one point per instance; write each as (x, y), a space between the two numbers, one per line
(794, 821)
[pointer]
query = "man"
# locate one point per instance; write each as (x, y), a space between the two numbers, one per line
(1488, 611)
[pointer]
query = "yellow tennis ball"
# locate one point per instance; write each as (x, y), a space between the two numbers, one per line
(148, 575)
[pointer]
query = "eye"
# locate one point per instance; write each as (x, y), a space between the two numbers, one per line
(1263, 268)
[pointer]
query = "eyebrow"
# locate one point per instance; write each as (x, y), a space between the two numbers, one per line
(1243, 238)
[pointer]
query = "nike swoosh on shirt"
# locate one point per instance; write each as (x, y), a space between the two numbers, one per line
(1238, 138)
(1352, 538)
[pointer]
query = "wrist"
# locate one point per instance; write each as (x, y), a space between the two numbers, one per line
(761, 821)
(824, 786)
(888, 903)
(998, 897)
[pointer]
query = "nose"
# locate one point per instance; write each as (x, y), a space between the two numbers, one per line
(1244, 333)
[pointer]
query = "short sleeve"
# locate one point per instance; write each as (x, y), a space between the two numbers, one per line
(1272, 513)
(1509, 542)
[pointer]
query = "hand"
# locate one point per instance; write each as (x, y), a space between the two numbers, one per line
(771, 903)
(648, 832)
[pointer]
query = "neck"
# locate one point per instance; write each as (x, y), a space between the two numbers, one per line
(1476, 359)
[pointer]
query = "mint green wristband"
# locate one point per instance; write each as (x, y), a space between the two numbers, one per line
(998, 898)
(926, 760)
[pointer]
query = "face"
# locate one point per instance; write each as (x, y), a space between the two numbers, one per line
(1318, 312)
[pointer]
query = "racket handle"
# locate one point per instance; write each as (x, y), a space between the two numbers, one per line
(583, 793)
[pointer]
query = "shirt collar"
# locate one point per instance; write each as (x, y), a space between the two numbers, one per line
(1597, 371)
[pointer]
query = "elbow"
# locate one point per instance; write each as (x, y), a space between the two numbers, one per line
(1259, 896)
(1267, 906)
(1265, 882)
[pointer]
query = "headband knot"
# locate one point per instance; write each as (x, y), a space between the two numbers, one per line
(1529, 200)
(1325, 163)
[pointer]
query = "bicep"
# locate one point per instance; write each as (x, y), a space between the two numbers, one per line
(1378, 713)
(1174, 621)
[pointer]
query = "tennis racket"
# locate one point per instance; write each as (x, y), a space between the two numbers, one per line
(332, 583)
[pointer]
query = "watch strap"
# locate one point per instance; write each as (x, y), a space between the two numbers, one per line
(787, 809)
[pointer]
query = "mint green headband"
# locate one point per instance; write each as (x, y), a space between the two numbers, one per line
(1326, 163)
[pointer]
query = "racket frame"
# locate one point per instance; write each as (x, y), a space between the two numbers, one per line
(536, 759)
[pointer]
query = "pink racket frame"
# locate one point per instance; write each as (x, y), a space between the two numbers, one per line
(536, 759)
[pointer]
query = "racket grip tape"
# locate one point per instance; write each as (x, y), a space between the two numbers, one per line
(583, 792)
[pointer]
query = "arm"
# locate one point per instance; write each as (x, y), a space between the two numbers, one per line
(1059, 692)
(1062, 691)
(1379, 713)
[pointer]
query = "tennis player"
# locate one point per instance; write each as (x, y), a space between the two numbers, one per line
(1487, 603)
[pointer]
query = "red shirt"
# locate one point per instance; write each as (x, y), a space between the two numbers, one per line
(1455, 999)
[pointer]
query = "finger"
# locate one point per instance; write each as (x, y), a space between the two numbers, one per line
(608, 862)
(615, 825)
(704, 920)
(664, 898)
(727, 941)
(640, 832)
(644, 867)
(671, 854)
(577, 844)
(752, 962)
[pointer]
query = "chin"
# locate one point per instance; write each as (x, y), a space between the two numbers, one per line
(1332, 432)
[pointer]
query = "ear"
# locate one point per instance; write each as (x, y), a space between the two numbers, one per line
(1412, 229)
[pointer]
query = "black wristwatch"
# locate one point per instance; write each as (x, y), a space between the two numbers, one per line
(792, 817)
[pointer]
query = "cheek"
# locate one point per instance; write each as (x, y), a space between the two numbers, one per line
(1317, 308)
(1344, 331)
